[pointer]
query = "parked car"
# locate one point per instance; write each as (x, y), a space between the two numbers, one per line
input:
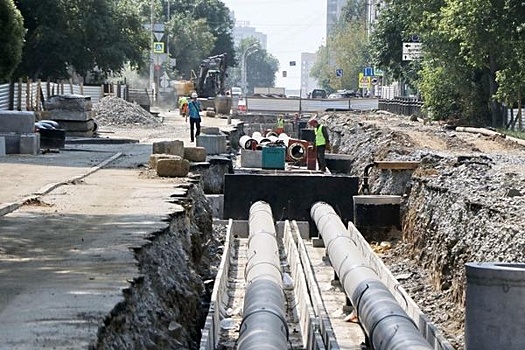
(317, 93)
(345, 94)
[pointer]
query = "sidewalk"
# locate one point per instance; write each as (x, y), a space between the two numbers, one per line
(25, 176)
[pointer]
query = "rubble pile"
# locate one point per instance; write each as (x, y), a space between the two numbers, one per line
(114, 111)
(465, 203)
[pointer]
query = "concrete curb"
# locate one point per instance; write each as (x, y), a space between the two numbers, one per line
(11, 207)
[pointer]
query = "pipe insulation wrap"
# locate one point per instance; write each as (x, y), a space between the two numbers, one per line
(264, 325)
(386, 324)
(247, 142)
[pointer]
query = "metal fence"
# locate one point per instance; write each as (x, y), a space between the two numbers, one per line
(402, 106)
(29, 96)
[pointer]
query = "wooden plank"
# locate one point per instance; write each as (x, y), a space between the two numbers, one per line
(397, 165)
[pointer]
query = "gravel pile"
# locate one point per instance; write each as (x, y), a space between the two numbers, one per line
(461, 205)
(114, 111)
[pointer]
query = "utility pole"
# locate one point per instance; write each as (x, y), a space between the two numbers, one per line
(152, 41)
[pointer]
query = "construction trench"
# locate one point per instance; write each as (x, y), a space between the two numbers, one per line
(290, 257)
(261, 264)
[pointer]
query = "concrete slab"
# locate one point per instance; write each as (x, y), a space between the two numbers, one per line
(30, 143)
(68, 115)
(2, 146)
(214, 144)
(17, 122)
(251, 159)
(12, 142)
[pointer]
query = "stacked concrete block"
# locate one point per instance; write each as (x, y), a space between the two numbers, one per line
(195, 154)
(2, 146)
(251, 159)
(30, 143)
(18, 132)
(74, 113)
(175, 148)
(173, 167)
(212, 140)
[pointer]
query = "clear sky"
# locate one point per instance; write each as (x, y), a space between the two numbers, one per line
(292, 27)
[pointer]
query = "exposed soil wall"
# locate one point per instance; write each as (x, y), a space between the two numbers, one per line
(461, 205)
(166, 306)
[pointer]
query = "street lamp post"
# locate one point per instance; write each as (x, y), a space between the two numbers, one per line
(244, 57)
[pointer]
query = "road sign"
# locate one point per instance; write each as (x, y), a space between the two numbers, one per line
(368, 71)
(292, 63)
(338, 72)
(411, 51)
(158, 47)
(364, 82)
(158, 36)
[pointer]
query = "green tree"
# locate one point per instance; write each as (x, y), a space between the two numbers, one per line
(87, 37)
(12, 34)
(192, 43)
(190, 24)
(346, 49)
(261, 67)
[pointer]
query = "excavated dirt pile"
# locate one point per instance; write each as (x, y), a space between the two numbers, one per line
(465, 203)
(114, 111)
(166, 306)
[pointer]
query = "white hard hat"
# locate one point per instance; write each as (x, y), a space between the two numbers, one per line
(194, 95)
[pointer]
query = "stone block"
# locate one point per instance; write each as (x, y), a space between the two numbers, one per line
(2, 146)
(214, 144)
(173, 167)
(210, 130)
(71, 115)
(251, 159)
(71, 125)
(12, 142)
(195, 154)
(175, 147)
(69, 102)
(29, 143)
(154, 159)
(17, 122)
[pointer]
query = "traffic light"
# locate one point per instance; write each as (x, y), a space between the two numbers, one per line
(284, 74)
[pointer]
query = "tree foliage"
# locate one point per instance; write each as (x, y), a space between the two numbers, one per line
(197, 29)
(346, 49)
(261, 66)
(86, 37)
(11, 38)
(473, 54)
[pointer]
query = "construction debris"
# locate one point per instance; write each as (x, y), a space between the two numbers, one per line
(114, 111)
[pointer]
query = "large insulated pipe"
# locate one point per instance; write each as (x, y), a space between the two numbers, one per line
(386, 324)
(247, 142)
(264, 324)
(297, 151)
(284, 138)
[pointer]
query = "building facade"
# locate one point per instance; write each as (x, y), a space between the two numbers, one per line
(308, 83)
(334, 8)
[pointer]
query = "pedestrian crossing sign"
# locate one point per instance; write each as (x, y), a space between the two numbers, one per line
(158, 47)
(364, 81)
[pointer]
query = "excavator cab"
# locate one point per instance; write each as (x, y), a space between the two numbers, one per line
(212, 76)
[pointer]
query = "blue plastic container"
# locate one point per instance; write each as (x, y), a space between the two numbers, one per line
(273, 157)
